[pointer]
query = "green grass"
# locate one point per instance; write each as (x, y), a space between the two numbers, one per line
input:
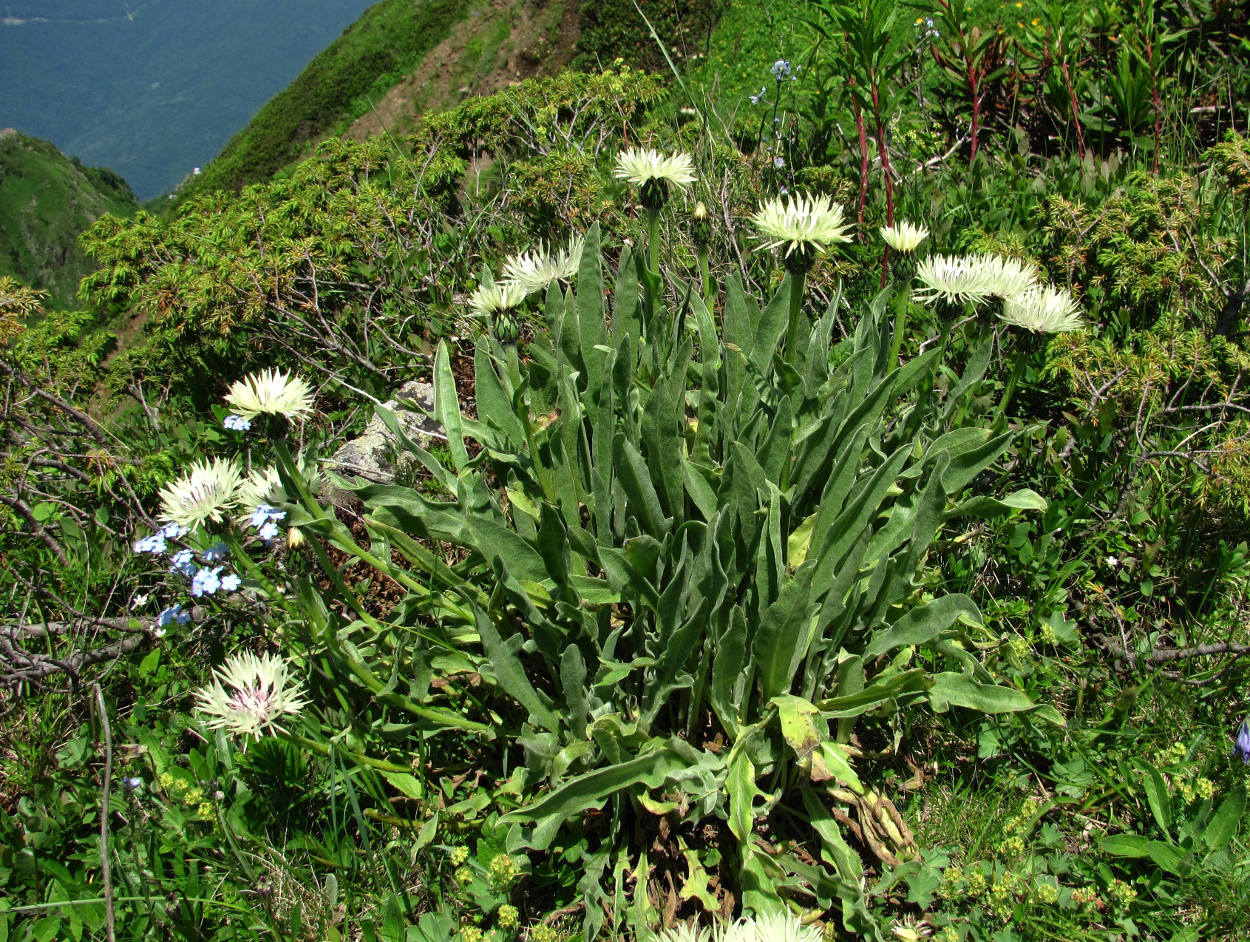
(46, 200)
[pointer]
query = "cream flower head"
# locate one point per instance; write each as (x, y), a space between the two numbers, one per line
(652, 173)
(491, 299)
(264, 486)
(536, 269)
(1044, 310)
(969, 278)
(803, 225)
(206, 492)
(904, 237)
(271, 392)
(641, 165)
(249, 694)
(1008, 277)
(772, 927)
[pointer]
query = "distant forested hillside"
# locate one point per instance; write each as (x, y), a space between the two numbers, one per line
(46, 200)
(153, 88)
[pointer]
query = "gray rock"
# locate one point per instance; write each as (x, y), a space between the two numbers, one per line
(373, 455)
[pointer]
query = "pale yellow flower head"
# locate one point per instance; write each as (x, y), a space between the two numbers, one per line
(1044, 310)
(536, 269)
(249, 695)
(641, 165)
(800, 224)
(904, 237)
(491, 299)
(957, 278)
(271, 392)
(206, 492)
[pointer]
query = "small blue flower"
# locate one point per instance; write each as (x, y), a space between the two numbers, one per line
(268, 530)
(784, 190)
(216, 553)
(237, 423)
(174, 615)
(173, 531)
(1241, 748)
(206, 582)
(230, 582)
(264, 513)
(780, 69)
(183, 563)
(779, 162)
(756, 99)
(132, 783)
(151, 544)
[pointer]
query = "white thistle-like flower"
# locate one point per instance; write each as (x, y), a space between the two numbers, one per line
(1008, 277)
(774, 927)
(808, 225)
(249, 694)
(1044, 310)
(904, 237)
(685, 933)
(491, 299)
(536, 269)
(264, 486)
(206, 492)
(271, 392)
(642, 166)
(963, 278)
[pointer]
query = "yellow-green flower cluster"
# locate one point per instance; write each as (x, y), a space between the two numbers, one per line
(503, 871)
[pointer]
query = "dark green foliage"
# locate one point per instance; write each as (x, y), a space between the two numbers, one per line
(46, 201)
(613, 29)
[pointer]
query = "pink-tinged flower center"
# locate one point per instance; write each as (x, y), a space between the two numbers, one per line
(255, 701)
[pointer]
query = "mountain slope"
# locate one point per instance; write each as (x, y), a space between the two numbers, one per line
(46, 201)
(384, 43)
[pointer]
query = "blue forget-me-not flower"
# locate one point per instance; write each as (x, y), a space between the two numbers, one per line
(206, 582)
(182, 563)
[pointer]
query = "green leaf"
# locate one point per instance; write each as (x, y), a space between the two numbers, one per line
(783, 634)
(405, 783)
(959, 690)
(591, 790)
(511, 673)
(1157, 798)
(447, 406)
(1165, 856)
(921, 625)
(1223, 824)
(985, 506)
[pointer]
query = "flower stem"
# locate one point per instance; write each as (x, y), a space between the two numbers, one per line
(797, 279)
(653, 239)
(1017, 370)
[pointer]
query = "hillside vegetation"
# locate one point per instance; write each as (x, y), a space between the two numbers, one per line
(822, 517)
(46, 201)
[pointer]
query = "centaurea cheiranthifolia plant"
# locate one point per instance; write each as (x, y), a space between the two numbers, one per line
(801, 228)
(655, 175)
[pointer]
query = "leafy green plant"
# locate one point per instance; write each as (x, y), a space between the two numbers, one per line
(685, 567)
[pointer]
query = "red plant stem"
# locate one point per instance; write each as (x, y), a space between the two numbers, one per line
(863, 156)
(884, 153)
(1076, 118)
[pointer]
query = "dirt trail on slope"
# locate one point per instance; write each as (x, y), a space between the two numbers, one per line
(540, 40)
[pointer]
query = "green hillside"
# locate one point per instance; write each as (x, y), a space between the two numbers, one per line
(388, 40)
(46, 200)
